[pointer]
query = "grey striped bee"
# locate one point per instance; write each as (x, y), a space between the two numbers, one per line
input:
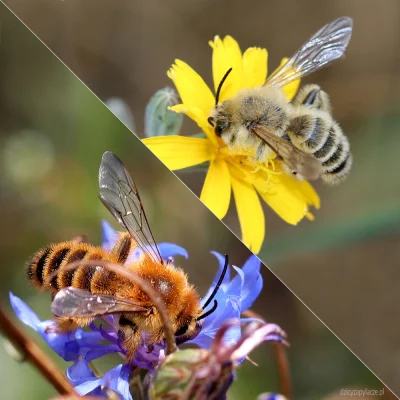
(302, 133)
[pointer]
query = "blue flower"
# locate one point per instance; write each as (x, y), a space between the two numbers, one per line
(83, 346)
(234, 297)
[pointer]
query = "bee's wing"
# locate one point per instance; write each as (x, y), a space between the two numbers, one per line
(301, 162)
(77, 303)
(327, 45)
(120, 195)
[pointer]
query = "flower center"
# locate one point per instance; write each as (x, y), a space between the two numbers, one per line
(244, 166)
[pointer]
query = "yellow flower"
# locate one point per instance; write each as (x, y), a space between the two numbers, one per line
(249, 180)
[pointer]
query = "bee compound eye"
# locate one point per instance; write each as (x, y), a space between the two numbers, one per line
(182, 330)
(220, 127)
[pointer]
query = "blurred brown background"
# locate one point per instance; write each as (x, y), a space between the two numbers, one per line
(344, 265)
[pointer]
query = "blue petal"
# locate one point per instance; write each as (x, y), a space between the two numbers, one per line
(203, 340)
(236, 286)
(271, 396)
(253, 264)
(221, 261)
(253, 282)
(64, 344)
(232, 336)
(24, 313)
(71, 345)
(88, 387)
(225, 282)
(171, 250)
(206, 338)
(117, 379)
(79, 372)
(227, 309)
(109, 235)
(102, 350)
(250, 294)
(121, 384)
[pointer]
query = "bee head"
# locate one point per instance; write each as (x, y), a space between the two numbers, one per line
(185, 315)
(189, 330)
(219, 123)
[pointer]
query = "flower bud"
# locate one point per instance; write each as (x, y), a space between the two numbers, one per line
(190, 374)
(159, 120)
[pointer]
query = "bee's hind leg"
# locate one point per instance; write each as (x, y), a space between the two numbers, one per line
(67, 324)
(130, 336)
(313, 96)
(123, 247)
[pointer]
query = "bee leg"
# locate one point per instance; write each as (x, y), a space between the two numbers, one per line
(263, 152)
(66, 324)
(123, 247)
(313, 96)
(260, 151)
(130, 336)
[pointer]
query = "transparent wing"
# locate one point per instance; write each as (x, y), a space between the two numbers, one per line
(77, 303)
(301, 162)
(120, 195)
(327, 45)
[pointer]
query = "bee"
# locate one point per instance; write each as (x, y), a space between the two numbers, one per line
(302, 133)
(86, 292)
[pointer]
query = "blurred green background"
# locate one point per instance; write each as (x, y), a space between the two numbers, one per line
(53, 132)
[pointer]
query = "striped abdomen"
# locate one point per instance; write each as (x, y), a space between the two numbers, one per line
(54, 259)
(313, 130)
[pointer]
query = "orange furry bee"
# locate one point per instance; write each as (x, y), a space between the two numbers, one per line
(86, 292)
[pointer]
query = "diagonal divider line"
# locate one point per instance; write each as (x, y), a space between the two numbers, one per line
(177, 177)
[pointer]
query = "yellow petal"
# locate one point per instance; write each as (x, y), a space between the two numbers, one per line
(227, 54)
(310, 216)
(254, 67)
(290, 198)
(198, 115)
(178, 152)
(291, 88)
(251, 215)
(309, 194)
(191, 87)
(216, 192)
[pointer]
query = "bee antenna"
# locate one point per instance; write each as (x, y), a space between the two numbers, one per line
(220, 85)
(210, 311)
(221, 278)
